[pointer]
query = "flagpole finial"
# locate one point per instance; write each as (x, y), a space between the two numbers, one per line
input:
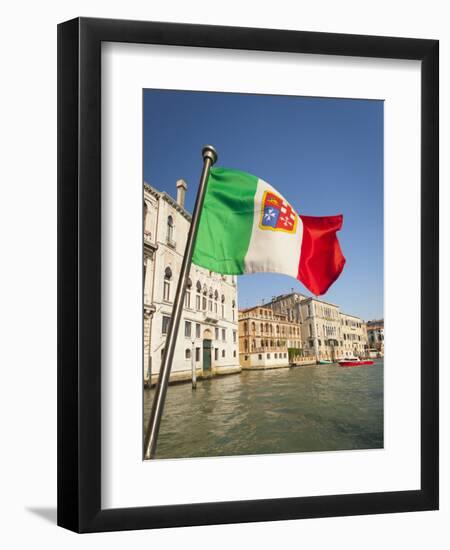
(208, 151)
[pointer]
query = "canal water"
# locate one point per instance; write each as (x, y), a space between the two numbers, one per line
(319, 408)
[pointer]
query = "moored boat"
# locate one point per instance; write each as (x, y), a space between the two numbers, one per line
(324, 362)
(354, 362)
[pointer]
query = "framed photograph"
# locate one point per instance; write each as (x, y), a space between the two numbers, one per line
(247, 275)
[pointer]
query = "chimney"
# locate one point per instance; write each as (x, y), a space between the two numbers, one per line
(181, 192)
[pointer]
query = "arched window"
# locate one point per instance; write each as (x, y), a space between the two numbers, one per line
(187, 296)
(245, 327)
(253, 327)
(145, 211)
(210, 303)
(167, 279)
(262, 328)
(169, 229)
(204, 299)
(198, 287)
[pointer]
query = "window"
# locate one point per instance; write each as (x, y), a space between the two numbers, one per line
(223, 306)
(234, 353)
(197, 330)
(170, 229)
(145, 211)
(187, 296)
(187, 353)
(187, 329)
(216, 333)
(276, 356)
(284, 355)
(268, 356)
(234, 336)
(197, 302)
(216, 354)
(259, 356)
(223, 353)
(167, 278)
(165, 324)
(197, 354)
(233, 311)
(223, 334)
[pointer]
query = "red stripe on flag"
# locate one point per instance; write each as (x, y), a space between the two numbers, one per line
(321, 258)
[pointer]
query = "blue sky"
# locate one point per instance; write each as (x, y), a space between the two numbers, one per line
(324, 155)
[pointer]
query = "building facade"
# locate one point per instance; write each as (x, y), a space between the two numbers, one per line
(375, 336)
(354, 336)
(265, 338)
(326, 333)
(208, 333)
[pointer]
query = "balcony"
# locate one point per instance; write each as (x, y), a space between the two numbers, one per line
(210, 317)
(170, 242)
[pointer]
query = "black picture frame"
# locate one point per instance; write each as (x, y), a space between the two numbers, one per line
(79, 274)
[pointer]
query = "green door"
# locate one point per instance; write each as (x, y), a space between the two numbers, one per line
(206, 355)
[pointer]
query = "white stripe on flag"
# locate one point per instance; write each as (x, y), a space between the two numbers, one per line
(275, 251)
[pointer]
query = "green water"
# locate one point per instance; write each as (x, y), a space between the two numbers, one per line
(289, 410)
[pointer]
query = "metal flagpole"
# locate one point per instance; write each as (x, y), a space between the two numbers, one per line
(151, 436)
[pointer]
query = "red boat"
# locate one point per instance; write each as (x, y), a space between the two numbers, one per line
(354, 363)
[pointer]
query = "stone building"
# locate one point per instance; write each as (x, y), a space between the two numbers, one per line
(354, 336)
(375, 336)
(208, 333)
(326, 333)
(321, 329)
(265, 338)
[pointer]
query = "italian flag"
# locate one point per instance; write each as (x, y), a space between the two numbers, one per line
(247, 226)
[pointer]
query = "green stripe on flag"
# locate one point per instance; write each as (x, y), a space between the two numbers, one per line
(226, 221)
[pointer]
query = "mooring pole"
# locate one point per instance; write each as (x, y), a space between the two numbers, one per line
(151, 436)
(194, 372)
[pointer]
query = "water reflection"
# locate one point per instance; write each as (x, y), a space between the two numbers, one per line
(274, 411)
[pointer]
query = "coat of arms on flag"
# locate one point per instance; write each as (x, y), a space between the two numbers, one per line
(277, 214)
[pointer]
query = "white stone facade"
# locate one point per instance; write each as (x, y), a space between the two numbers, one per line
(326, 333)
(375, 336)
(208, 333)
(354, 335)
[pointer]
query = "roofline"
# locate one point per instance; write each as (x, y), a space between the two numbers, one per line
(169, 199)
